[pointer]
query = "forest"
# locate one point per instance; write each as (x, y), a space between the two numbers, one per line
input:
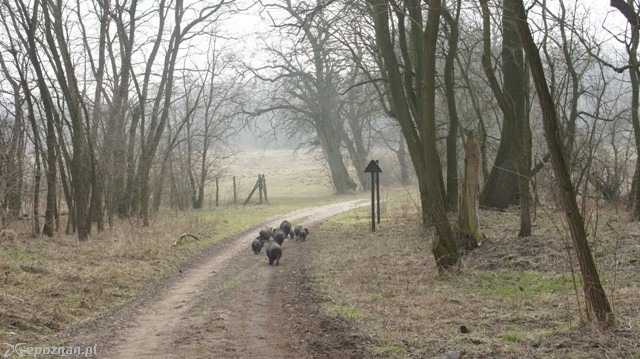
(114, 110)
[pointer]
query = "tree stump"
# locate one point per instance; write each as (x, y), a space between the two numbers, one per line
(469, 236)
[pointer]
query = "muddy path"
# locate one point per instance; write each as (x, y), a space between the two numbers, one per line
(229, 303)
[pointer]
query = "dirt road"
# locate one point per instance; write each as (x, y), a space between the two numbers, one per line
(229, 303)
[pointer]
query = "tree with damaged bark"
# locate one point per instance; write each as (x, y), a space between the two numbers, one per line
(469, 234)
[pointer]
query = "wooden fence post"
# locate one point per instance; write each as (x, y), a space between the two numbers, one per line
(260, 184)
(217, 192)
(264, 188)
(235, 193)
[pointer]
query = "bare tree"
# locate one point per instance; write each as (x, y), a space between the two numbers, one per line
(411, 87)
(154, 119)
(24, 20)
(25, 111)
(58, 45)
(98, 69)
(449, 83)
(598, 308)
(633, 18)
(515, 149)
(358, 109)
(12, 148)
(305, 76)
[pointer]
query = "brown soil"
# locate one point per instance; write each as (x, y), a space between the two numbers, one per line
(229, 303)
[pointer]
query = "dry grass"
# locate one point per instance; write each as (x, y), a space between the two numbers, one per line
(516, 297)
(50, 284)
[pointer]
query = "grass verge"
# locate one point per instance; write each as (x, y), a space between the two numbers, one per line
(511, 298)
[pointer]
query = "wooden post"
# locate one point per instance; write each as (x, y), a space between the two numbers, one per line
(264, 188)
(374, 169)
(235, 193)
(252, 191)
(217, 192)
(378, 193)
(260, 186)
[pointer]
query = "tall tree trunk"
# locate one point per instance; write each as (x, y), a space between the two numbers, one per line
(444, 246)
(501, 185)
(634, 75)
(65, 73)
(633, 192)
(634, 78)
(515, 90)
(12, 159)
(449, 84)
(96, 212)
(512, 104)
(330, 143)
(30, 23)
(329, 127)
(37, 178)
(68, 197)
(482, 138)
(403, 102)
(203, 168)
(129, 201)
(401, 154)
(49, 226)
(118, 144)
(356, 149)
(96, 202)
(597, 305)
(37, 152)
(411, 88)
(501, 188)
(158, 188)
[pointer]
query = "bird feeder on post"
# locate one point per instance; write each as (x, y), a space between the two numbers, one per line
(375, 170)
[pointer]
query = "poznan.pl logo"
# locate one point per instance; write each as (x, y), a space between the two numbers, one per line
(21, 350)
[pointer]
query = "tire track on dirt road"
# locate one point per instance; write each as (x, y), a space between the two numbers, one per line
(219, 307)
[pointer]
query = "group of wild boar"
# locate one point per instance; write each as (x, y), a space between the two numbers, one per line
(273, 248)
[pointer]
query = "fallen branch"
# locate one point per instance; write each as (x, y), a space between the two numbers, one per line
(179, 240)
